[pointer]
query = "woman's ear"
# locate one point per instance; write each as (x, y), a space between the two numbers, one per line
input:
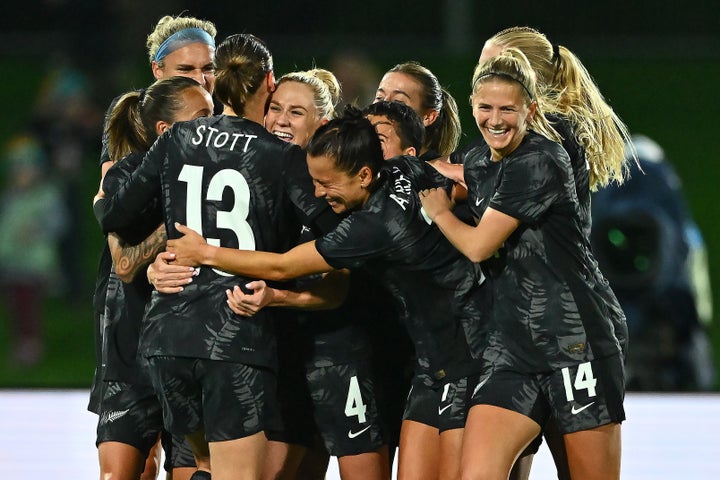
(429, 117)
(270, 81)
(157, 70)
(366, 176)
(410, 151)
(161, 127)
(531, 111)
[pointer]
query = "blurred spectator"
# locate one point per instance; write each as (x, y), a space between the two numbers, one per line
(358, 76)
(654, 257)
(68, 122)
(32, 219)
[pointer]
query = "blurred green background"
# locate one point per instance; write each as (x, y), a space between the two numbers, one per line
(657, 65)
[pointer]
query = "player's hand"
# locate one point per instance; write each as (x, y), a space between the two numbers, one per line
(248, 304)
(188, 248)
(453, 171)
(168, 277)
(435, 201)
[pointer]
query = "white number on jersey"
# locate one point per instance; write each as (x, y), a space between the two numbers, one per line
(583, 380)
(354, 404)
(446, 390)
(235, 219)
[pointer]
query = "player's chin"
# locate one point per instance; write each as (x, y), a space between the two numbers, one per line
(337, 207)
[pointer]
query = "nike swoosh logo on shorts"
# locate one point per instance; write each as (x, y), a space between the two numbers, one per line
(478, 201)
(575, 411)
(441, 410)
(352, 434)
(479, 386)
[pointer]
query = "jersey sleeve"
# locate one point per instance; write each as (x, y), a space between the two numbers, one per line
(459, 156)
(359, 238)
(151, 215)
(528, 187)
(121, 209)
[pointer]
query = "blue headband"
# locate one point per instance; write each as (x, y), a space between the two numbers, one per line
(183, 38)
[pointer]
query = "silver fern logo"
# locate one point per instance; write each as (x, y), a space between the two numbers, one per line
(109, 417)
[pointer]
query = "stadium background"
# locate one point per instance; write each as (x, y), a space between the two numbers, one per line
(656, 62)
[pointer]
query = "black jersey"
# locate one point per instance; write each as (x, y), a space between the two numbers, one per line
(581, 174)
(240, 187)
(481, 172)
(101, 283)
(437, 290)
(460, 155)
(580, 167)
(551, 303)
(322, 338)
(482, 177)
(125, 302)
(105, 259)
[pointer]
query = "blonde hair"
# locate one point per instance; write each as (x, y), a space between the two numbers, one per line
(567, 89)
(511, 65)
(168, 25)
(324, 85)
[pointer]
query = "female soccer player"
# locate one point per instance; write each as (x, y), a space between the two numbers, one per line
(325, 357)
(591, 132)
(385, 234)
(130, 414)
(418, 87)
(552, 348)
(182, 46)
(398, 126)
(231, 179)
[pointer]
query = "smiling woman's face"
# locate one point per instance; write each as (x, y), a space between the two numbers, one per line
(502, 114)
(292, 115)
(342, 191)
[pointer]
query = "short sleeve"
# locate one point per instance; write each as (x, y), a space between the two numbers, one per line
(528, 186)
(358, 239)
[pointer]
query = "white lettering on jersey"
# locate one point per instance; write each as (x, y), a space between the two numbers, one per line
(400, 201)
(402, 187)
(210, 136)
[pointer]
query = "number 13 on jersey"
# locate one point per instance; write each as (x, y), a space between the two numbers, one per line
(234, 219)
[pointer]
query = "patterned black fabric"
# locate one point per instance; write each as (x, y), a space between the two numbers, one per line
(238, 186)
(551, 303)
(436, 289)
(481, 176)
(125, 302)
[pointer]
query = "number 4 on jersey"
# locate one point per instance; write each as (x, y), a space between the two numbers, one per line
(583, 380)
(354, 404)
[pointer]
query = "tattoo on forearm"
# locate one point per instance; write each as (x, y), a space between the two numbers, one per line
(133, 258)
